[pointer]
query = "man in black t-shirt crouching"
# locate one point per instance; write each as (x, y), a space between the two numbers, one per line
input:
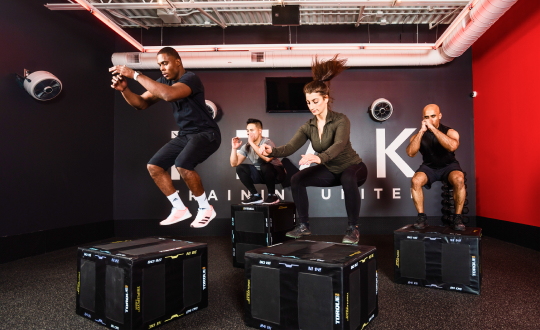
(198, 137)
(437, 143)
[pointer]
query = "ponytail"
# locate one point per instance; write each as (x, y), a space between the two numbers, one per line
(323, 72)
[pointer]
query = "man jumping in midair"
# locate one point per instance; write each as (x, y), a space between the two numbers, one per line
(198, 137)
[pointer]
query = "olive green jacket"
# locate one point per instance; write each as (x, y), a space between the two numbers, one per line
(334, 149)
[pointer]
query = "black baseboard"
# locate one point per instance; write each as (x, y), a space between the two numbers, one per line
(32, 244)
(516, 233)
(222, 226)
(370, 225)
(138, 228)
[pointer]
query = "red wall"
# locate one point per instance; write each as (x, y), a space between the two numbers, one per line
(506, 75)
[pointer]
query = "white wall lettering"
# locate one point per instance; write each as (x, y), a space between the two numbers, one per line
(382, 152)
(212, 195)
(329, 194)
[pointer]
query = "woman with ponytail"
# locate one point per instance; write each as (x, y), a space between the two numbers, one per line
(338, 163)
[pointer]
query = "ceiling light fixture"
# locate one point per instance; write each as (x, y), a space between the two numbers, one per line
(251, 47)
(182, 49)
(325, 47)
(404, 47)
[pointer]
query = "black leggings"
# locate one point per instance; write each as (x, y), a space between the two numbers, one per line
(268, 174)
(319, 176)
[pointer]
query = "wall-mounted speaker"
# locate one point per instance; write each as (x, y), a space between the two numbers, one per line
(285, 15)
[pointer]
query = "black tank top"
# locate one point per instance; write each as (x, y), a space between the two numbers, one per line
(433, 153)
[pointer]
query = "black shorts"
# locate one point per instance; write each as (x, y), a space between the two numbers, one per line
(441, 174)
(187, 151)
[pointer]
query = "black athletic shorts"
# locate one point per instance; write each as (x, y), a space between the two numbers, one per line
(441, 174)
(187, 151)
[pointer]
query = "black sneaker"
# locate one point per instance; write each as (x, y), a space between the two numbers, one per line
(271, 199)
(421, 221)
(458, 223)
(253, 199)
(352, 235)
(298, 231)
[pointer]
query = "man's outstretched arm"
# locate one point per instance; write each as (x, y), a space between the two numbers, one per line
(161, 91)
(139, 102)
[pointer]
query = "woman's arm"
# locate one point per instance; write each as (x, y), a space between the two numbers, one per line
(297, 141)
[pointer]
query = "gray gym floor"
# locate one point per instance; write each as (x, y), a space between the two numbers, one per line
(39, 292)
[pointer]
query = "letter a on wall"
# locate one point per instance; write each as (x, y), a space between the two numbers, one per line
(382, 152)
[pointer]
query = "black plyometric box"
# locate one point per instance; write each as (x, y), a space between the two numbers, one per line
(311, 286)
(255, 226)
(439, 257)
(141, 284)
(286, 15)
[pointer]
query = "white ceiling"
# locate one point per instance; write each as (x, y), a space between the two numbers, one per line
(202, 13)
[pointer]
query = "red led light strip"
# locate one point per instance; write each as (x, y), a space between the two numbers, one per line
(111, 24)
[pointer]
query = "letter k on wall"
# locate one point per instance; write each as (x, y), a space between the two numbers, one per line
(382, 152)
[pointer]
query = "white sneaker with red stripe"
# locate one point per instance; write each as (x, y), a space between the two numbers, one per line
(176, 216)
(203, 218)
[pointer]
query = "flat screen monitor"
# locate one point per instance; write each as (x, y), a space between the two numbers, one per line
(286, 94)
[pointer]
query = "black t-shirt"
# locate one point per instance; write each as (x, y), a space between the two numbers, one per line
(434, 155)
(190, 112)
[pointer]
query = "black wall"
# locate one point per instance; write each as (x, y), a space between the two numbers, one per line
(241, 94)
(56, 163)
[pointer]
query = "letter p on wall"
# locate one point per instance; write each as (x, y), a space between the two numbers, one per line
(382, 152)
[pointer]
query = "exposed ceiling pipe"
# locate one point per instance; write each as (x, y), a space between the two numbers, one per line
(283, 58)
(482, 14)
(479, 19)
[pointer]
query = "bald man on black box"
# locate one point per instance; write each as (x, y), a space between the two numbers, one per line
(437, 144)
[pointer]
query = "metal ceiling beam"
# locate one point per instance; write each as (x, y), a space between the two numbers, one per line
(170, 4)
(252, 4)
(219, 17)
(212, 18)
(116, 13)
(360, 16)
(432, 25)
